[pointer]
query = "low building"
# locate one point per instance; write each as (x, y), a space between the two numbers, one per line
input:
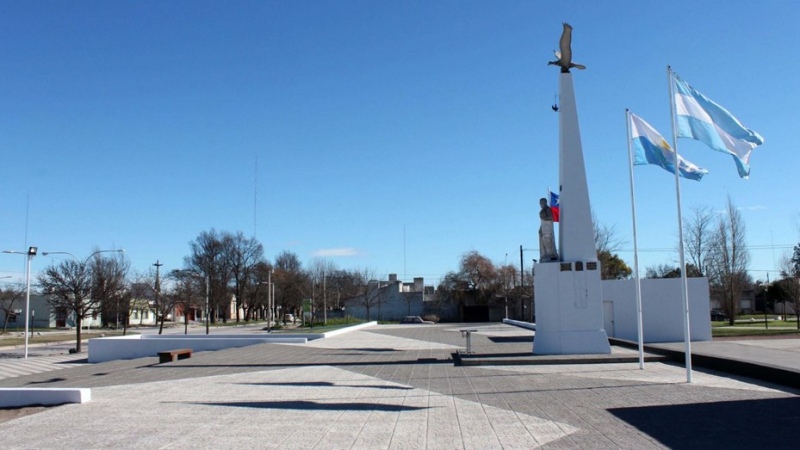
(392, 299)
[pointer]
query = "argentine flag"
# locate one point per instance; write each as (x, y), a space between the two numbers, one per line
(651, 148)
(700, 118)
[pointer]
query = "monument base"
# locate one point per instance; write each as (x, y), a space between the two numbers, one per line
(569, 309)
(591, 342)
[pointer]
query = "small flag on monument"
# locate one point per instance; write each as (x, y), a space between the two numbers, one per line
(554, 206)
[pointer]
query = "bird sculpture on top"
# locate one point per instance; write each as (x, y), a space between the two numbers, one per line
(564, 57)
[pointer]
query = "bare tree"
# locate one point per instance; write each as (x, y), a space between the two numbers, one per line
(319, 271)
(790, 271)
(109, 280)
(209, 258)
(8, 297)
(480, 275)
(728, 260)
(147, 288)
(341, 284)
(256, 294)
(506, 284)
(187, 293)
(607, 242)
(474, 283)
(699, 238)
(369, 290)
(141, 295)
(606, 238)
(243, 254)
(291, 282)
(69, 286)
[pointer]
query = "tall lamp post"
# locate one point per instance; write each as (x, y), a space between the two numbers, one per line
(83, 263)
(270, 291)
(766, 302)
(30, 253)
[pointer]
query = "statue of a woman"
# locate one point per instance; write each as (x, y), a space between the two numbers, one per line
(547, 237)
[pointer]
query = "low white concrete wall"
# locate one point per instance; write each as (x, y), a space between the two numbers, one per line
(139, 346)
(329, 334)
(16, 397)
(662, 309)
(521, 324)
(348, 329)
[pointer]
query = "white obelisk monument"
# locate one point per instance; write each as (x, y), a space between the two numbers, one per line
(568, 292)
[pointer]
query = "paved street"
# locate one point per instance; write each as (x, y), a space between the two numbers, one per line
(396, 386)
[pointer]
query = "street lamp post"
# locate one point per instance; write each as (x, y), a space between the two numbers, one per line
(157, 289)
(270, 291)
(30, 253)
(206, 313)
(766, 302)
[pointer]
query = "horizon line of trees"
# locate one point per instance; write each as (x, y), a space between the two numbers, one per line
(234, 266)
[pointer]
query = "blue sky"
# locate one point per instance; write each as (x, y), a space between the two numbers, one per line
(389, 135)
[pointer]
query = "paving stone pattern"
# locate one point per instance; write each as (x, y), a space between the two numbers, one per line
(396, 387)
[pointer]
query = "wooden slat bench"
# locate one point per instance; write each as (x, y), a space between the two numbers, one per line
(172, 355)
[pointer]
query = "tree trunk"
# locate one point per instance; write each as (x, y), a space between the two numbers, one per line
(161, 326)
(78, 333)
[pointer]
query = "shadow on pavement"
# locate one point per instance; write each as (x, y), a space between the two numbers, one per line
(739, 424)
(510, 339)
(307, 405)
(325, 384)
(51, 380)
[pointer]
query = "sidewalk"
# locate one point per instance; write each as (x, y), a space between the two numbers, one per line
(397, 387)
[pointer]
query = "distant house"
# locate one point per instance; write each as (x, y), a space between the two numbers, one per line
(46, 316)
(392, 299)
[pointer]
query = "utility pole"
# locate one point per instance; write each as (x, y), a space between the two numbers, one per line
(158, 291)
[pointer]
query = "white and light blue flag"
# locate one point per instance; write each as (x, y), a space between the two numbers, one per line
(700, 118)
(651, 148)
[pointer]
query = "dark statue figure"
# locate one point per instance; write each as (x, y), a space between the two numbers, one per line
(564, 56)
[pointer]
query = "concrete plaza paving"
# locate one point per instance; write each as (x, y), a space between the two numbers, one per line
(397, 387)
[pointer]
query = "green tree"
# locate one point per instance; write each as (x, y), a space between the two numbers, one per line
(667, 271)
(612, 267)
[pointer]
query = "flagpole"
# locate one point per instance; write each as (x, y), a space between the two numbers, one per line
(639, 329)
(684, 284)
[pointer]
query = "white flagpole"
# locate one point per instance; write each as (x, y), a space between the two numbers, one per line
(687, 341)
(639, 330)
